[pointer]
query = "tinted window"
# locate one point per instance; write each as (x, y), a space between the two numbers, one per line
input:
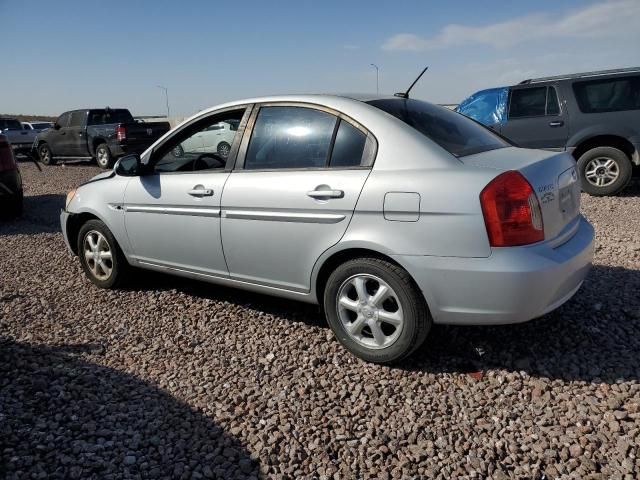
(104, 117)
(453, 131)
(77, 119)
(348, 147)
(63, 120)
(10, 124)
(609, 95)
(552, 102)
(290, 137)
(528, 102)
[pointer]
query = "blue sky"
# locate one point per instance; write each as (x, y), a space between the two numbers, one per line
(68, 54)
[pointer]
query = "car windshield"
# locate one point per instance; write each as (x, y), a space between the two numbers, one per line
(454, 132)
(9, 124)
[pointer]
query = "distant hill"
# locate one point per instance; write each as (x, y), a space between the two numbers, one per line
(27, 118)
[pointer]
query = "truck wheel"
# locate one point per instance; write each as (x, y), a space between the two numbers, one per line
(604, 171)
(46, 155)
(103, 156)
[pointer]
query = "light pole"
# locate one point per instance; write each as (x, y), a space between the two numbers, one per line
(377, 74)
(166, 97)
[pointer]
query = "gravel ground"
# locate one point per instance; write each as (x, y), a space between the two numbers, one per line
(178, 379)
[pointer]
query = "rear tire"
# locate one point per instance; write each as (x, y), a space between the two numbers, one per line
(604, 171)
(381, 329)
(100, 255)
(103, 156)
(46, 155)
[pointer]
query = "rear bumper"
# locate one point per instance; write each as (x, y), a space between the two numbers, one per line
(512, 285)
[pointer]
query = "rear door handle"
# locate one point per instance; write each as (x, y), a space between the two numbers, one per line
(556, 123)
(201, 192)
(325, 193)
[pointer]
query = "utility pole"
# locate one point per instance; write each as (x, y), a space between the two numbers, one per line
(166, 97)
(377, 79)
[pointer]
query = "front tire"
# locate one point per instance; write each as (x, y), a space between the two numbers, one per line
(103, 156)
(100, 256)
(376, 310)
(604, 171)
(46, 155)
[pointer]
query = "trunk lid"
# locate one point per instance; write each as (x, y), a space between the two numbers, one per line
(552, 175)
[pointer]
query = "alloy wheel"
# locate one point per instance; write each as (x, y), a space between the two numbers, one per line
(602, 171)
(98, 255)
(370, 311)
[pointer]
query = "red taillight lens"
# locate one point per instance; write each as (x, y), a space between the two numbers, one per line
(511, 211)
(7, 161)
(121, 133)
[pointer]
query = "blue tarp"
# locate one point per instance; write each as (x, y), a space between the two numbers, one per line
(488, 107)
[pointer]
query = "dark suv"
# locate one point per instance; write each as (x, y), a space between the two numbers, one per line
(593, 115)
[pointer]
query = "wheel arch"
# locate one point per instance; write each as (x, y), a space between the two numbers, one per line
(95, 142)
(74, 224)
(614, 141)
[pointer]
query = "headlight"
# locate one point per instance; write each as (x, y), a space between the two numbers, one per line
(70, 196)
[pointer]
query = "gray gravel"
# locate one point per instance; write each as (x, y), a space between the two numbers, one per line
(177, 379)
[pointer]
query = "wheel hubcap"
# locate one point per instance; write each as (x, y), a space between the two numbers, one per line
(601, 172)
(224, 150)
(102, 156)
(370, 311)
(97, 254)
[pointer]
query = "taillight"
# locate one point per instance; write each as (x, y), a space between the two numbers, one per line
(121, 133)
(511, 211)
(7, 160)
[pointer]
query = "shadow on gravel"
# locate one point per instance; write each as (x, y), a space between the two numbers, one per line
(64, 417)
(41, 215)
(595, 337)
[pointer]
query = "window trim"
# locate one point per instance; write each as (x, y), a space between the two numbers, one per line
(368, 155)
(150, 159)
(546, 100)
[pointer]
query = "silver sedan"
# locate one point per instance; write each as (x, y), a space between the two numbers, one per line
(391, 213)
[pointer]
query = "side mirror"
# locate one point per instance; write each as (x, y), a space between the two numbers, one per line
(56, 126)
(129, 166)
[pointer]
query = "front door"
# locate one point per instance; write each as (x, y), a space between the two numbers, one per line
(292, 195)
(535, 119)
(172, 214)
(76, 135)
(58, 138)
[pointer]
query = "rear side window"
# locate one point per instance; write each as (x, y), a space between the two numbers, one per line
(348, 147)
(608, 95)
(453, 131)
(553, 108)
(77, 119)
(290, 137)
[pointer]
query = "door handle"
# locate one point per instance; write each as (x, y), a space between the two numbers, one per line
(325, 194)
(201, 192)
(556, 123)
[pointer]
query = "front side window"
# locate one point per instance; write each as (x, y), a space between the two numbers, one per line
(77, 119)
(528, 102)
(608, 95)
(290, 137)
(63, 120)
(200, 146)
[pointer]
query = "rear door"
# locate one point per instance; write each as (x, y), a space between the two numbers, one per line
(293, 192)
(535, 118)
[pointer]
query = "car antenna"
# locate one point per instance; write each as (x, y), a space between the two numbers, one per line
(406, 94)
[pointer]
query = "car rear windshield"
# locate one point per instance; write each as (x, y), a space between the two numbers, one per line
(454, 132)
(104, 117)
(9, 124)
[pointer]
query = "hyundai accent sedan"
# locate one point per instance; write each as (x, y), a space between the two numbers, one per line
(391, 213)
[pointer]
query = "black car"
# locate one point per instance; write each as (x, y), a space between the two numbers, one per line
(593, 115)
(104, 134)
(10, 181)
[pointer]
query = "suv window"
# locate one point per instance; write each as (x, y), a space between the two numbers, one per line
(528, 102)
(290, 137)
(63, 120)
(553, 107)
(457, 134)
(77, 119)
(191, 150)
(608, 95)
